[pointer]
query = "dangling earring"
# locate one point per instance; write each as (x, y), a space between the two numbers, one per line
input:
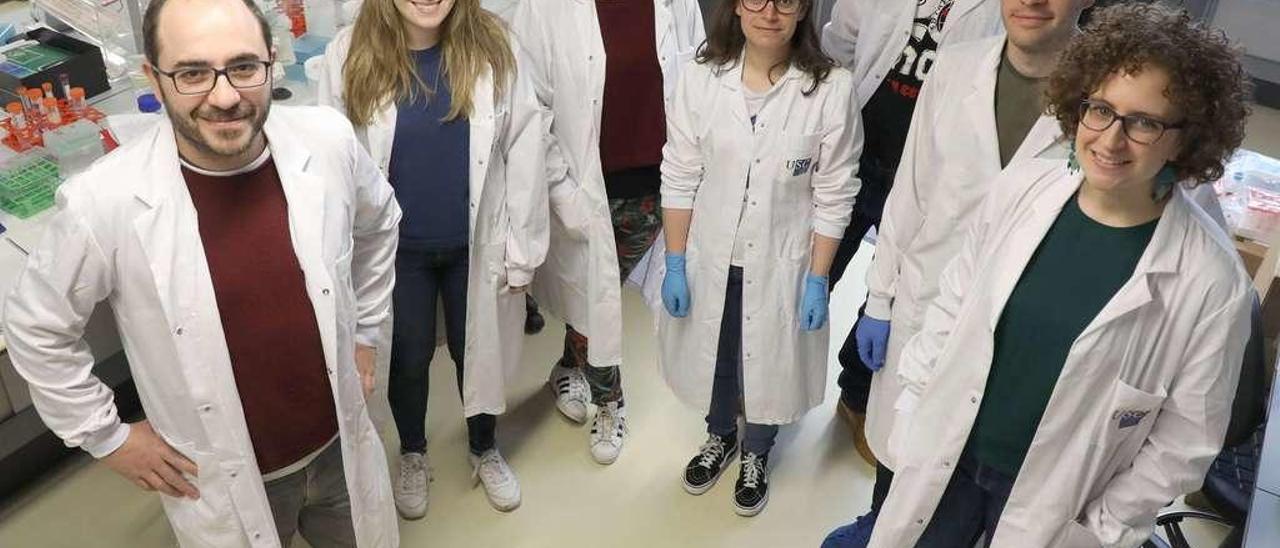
(1165, 179)
(1073, 163)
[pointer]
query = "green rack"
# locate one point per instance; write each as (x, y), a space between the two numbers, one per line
(28, 184)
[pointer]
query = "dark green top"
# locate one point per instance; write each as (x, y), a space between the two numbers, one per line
(1079, 265)
(1018, 106)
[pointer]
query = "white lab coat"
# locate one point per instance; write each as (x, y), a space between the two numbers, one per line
(868, 36)
(580, 281)
(800, 161)
(950, 157)
(126, 232)
(1166, 349)
(508, 218)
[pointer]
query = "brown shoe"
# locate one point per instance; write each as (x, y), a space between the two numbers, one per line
(856, 423)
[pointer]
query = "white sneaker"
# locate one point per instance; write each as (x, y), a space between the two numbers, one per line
(572, 392)
(606, 433)
(500, 485)
(411, 488)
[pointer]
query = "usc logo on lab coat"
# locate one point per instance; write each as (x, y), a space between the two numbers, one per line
(1129, 417)
(799, 166)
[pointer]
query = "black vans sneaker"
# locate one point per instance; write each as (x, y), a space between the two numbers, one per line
(705, 467)
(751, 492)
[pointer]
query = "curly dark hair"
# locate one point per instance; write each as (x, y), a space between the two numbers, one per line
(1207, 82)
(725, 42)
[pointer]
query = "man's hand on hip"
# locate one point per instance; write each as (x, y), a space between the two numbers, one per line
(150, 463)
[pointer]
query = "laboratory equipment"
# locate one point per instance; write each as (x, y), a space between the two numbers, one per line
(28, 183)
(75, 145)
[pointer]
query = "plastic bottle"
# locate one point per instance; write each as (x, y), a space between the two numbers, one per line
(18, 120)
(51, 112)
(22, 97)
(34, 96)
(76, 102)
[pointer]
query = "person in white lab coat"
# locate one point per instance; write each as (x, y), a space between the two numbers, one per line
(447, 115)
(246, 252)
(757, 185)
(980, 110)
(603, 72)
(1075, 372)
(891, 48)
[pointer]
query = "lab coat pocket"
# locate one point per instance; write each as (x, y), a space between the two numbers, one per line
(1074, 535)
(800, 157)
(209, 520)
(570, 210)
(1128, 421)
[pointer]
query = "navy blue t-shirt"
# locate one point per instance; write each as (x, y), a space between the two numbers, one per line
(429, 159)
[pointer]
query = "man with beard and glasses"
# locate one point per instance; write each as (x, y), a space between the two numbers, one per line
(247, 254)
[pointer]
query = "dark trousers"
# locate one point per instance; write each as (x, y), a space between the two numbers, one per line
(421, 278)
(726, 389)
(970, 507)
(635, 225)
(855, 378)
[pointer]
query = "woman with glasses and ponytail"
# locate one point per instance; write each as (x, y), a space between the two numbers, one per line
(1076, 371)
(434, 89)
(757, 187)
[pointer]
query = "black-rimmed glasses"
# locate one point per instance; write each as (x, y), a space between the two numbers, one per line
(785, 7)
(199, 81)
(1138, 128)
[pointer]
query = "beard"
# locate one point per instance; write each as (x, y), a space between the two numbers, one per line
(224, 143)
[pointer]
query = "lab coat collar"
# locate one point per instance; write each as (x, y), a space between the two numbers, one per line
(979, 104)
(161, 167)
(960, 9)
(1162, 256)
(732, 76)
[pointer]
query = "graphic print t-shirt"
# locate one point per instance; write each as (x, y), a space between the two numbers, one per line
(887, 115)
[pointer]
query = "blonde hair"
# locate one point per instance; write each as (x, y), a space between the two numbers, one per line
(379, 68)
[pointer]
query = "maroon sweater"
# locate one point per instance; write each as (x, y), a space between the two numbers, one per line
(633, 124)
(268, 320)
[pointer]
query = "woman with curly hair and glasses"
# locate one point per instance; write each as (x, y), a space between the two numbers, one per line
(1076, 372)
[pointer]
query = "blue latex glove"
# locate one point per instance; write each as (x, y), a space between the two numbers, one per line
(675, 287)
(873, 341)
(813, 307)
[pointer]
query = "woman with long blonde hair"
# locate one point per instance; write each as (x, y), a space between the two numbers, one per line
(433, 88)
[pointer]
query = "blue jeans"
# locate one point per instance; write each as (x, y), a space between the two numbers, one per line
(726, 389)
(970, 506)
(421, 278)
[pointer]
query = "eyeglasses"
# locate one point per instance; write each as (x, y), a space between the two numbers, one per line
(785, 7)
(1138, 128)
(199, 81)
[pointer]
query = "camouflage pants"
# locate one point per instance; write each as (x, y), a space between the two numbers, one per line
(635, 225)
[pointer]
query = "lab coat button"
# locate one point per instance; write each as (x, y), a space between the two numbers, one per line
(257, 535)
(206, 408)
(919, 522)
(973, 399)
(324, 291)
(178, 331)
(946, 464)
(234, 473)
